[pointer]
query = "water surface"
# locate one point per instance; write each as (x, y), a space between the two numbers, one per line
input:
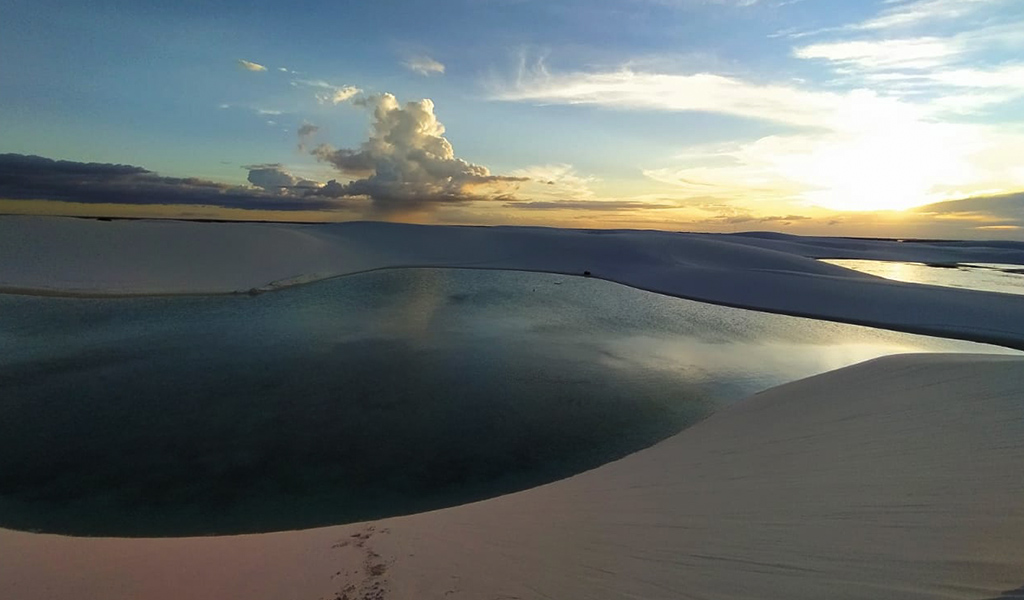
(365, 396)
(986, 277)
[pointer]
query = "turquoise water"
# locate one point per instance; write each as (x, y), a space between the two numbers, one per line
(366, 396)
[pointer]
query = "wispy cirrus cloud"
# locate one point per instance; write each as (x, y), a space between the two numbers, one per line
(424, 65)
(251, 66)
(908, 53)
(625, 88)
(883, 132)
(328, 93)
(699, 3)
(558, 181)
(324, 91)
(917, 12)
(971, 66)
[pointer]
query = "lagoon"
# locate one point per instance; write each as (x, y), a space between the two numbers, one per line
(985, 277)
(366, 396)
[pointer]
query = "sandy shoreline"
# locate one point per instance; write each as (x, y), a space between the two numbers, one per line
(778, 274)
(980, 335)
(896, 478)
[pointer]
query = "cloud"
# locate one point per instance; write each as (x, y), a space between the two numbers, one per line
(424, 65)
(972, 66)
(1008, 207)
(305, 133)
(328, 92)
(917, 12)
(338, 95)
(273, 177)
(251, 66)
(625, 88)
(408, 164)
(901, 164)
(37, 178)
(556, 181)
(1000, 213)
(945, 75)
(885, 132)
(912, 53)
(748, 218)
(590, 205)
(701, 3)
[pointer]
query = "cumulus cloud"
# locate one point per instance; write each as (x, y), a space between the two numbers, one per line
(424, 65)
(26, 177)
(408, 164)
(251, 66)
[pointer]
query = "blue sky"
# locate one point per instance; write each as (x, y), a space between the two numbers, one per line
(810, 116)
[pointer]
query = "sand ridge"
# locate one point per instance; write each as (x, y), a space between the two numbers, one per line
(896, 478)
(54, 256)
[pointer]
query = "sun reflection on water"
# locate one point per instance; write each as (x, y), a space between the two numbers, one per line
(1003, 278)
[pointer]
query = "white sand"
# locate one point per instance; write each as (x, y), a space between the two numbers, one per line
(896, 478)
(774, 273)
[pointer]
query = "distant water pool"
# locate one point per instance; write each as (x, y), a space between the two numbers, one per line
(987, 277)
(366, 396)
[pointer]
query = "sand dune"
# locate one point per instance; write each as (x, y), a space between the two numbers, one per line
(774, 273)
(896, 478)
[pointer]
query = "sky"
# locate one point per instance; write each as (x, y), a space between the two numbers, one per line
(888, 118)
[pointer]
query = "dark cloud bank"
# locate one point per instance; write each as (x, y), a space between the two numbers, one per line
(25, 177)
(1004, 206)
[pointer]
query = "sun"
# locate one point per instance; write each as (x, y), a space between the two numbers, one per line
(897, 167)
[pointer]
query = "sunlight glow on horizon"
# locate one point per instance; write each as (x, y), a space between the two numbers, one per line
(821, 117)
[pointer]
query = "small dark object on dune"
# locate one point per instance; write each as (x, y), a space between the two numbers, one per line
(586, 273)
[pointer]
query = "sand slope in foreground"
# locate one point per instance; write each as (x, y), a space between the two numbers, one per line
(897, 478)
